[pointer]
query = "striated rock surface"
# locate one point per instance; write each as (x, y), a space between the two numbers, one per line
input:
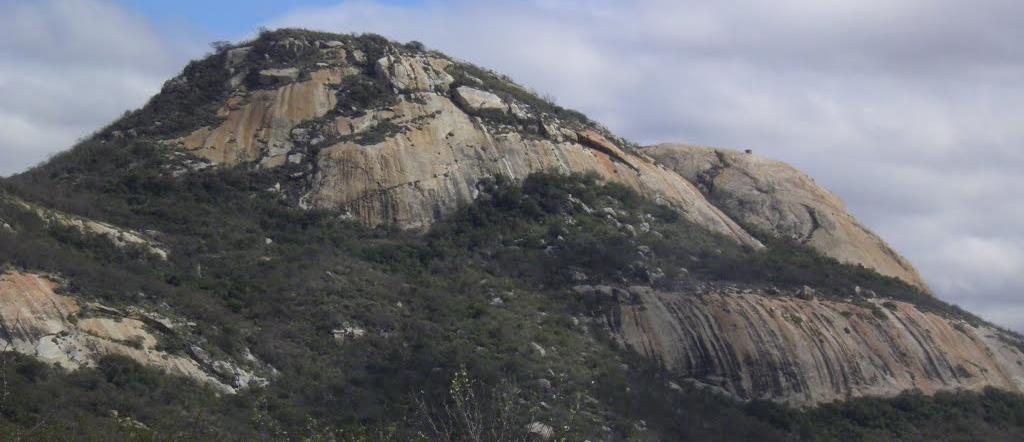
(420, 154)
(36, 321)
(780, 200)
(433, 163)
(806, 352)
(410, 73)
(257, 125)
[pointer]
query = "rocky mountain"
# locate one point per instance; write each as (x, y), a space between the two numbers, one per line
(328, 236)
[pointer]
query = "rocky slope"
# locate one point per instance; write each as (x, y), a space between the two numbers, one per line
(118, 236)
(393, 136)
(757, 345)
(35, 320)
(777, 199)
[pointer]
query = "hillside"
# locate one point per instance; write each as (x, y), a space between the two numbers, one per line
(323, 236)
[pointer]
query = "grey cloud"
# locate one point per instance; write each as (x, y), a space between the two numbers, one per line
(68, 67)
(907, 110)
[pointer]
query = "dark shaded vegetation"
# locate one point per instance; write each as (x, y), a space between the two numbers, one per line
(990, 415)
(360, 93)
(534, 231)
(117, 400)
(373, 45)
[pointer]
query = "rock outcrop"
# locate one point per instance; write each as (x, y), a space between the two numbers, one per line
(119, 236)
(257, 125)
(780, 200)
(433, 164)
(410, 73)
(806, 352)
(57, 329)
(417, 159)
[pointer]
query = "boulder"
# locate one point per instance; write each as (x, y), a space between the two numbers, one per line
(538, 349)
(806, 293)
(475, 99)
(540, 430)
(348, 332)
(236, 56)
(583, 290)
(577, 276)
(284, 75)
(292, 45)
(544, 384)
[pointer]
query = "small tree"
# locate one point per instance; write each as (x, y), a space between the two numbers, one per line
(473, 413)
(416, 46)
(220, 46)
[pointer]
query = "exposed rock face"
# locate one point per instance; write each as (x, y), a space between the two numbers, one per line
(257, 125)
(806, 352)
(435, 153)
(780, 200)
(432, 166)
(36, 321)
(414, 73)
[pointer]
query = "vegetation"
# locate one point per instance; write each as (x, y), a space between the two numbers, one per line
(427, 301)
(185, 102)
(466, 74)
(991, 415)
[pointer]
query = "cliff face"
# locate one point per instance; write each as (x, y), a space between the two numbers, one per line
(782, 201)
(433, 165)
(808, 351)
(257, 125)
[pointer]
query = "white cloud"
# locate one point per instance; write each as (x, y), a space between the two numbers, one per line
(68, 67)
(907, 110)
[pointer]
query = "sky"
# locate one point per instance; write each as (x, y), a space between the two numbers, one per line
(911, 111)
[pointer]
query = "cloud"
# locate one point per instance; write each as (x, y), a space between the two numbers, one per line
(907, 110)
(68, 67)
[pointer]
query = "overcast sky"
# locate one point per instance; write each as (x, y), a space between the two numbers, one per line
(912, 111)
